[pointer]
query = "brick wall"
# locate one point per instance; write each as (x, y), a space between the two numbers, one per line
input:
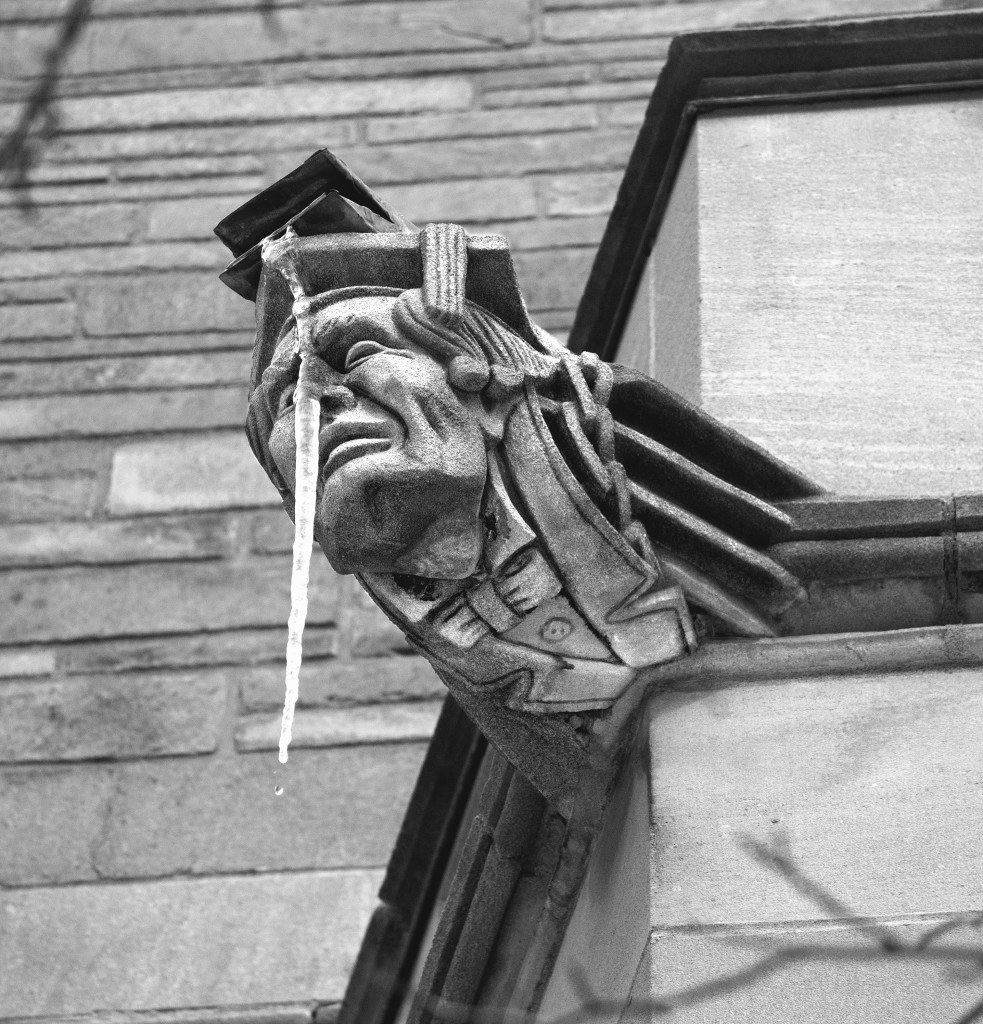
(145, 863)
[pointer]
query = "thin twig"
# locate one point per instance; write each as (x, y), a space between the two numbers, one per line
(38, 119)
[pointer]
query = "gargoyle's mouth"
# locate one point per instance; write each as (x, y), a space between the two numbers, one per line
(348, 438)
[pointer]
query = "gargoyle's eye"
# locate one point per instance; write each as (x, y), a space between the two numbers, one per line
(363, 350)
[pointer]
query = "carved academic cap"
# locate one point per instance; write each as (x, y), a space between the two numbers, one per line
(349, 238)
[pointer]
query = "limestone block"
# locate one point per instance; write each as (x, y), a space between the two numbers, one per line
(124, 373)
(49, 819)
(874, 781)
(154, 303)
(590, 92)
(114, 44)
(238, 647)
(156, 598)
(866, 987)
(553, 279)
(582, 195)
(236, 940)
(211, 471)
(190, 217)
(256, 103)
(340, 727)
(111, 716)
(344, 682)
(45, 499)
(339, 808)
(468, 202)
(29, 661)
(36, 320)
(168, 141)
(626, 22)
(68, 226)
(470, 158)
(60, 264)
(93, 416)
(131, 540)
(822, 299)
(479, 123)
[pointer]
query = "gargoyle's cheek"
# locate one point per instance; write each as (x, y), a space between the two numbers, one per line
(283, 448)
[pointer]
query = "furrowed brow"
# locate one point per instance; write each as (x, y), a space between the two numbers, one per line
(337, 335)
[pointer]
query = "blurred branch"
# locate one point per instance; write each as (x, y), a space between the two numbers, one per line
(271, 20)
(38, 120)
(21, 149)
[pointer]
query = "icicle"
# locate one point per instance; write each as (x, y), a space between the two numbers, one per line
(307, 415)
(307, 418)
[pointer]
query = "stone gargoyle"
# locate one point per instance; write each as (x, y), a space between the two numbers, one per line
(543, 526)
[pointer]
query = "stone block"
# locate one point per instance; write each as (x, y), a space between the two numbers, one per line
(340, 683)
(134, 540)
(342, 727)
(30, 661)
(23, 460)
(553, 279)
(160, 598)
(339, 808)
(233, 37)
(476, 123)
(468, 202)
(131, 344)
(833, 973)
(590, 92)
(584, 195)
(44, 499)
(154, 303)
(279, 938)
(238, 647)
(37, 320)
(134, 413)
(259, 103)
(105, 191)
(213, 471)
(629, 114)
(50, 818)
(875, 782)
(667, 20)
(191, 217)
(59, 264)
(553, 232)
(271, 532)
(470, 158)
(68, 226)
(124, 373)
(111, 716)
(210, 139)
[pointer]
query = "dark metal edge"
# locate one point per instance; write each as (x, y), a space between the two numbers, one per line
(419, 859)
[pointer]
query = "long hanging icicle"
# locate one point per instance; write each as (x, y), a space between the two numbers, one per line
(307, 417)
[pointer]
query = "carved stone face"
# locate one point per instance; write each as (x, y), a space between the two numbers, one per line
(402, 458)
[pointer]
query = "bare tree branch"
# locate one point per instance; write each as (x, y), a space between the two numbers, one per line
(38, 120)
